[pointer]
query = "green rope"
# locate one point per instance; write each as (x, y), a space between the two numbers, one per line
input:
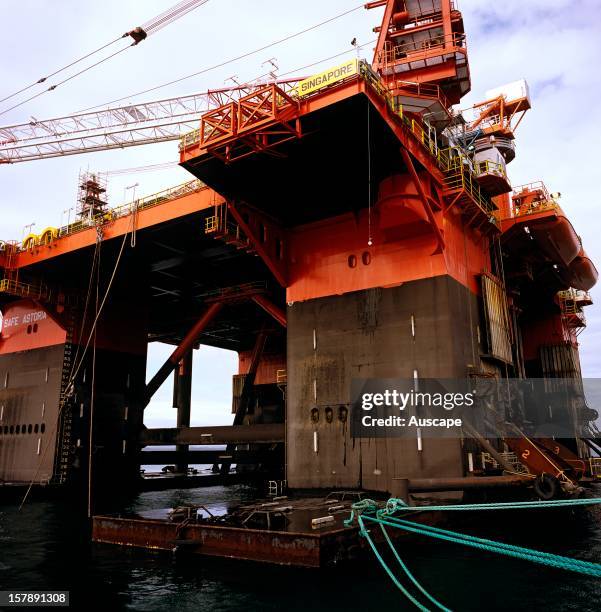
(409, 574)
(394, 579)
(367, 509)
(468, 538)
(557, 561)
(394, 505)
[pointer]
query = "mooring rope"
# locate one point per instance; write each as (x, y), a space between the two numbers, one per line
(368, 510)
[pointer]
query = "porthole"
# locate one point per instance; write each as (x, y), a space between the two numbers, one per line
(352, 261)
(12, 429)
(17, 429)
(366, 258)
(35, 328)
(315, 415)
(29, 329)
(29, 428)
(42, 427)
(23, 429)
(36, 428)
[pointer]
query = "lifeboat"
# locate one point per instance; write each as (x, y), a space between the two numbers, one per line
(550, 231)
(581, 273)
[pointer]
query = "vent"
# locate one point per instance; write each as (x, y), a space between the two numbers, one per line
(496, 315)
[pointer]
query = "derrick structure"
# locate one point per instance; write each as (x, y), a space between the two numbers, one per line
(346, 226)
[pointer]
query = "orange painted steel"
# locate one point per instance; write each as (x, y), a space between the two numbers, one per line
(270, 308)
(545, 330)
(259, 121)
(276, 265)
(161, 213)
(332, 257)
(423, 46)
(540, 461)
(267, 370)
(422, 194)
(27, 325)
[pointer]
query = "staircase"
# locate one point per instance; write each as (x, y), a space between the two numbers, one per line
(221, 228)
(65, 406)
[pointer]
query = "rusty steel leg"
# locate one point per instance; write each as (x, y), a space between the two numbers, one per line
(184, 399)
(246, 394)
(186, 344)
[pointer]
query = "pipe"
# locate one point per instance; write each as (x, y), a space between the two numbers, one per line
(469, 482)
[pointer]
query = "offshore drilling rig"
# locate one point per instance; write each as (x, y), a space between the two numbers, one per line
(352, 224)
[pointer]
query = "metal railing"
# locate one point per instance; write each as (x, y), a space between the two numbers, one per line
(458, 168)
(595, 467)
(490, 167)
(509, 457)
(14, 287)
(111, 214)
(421, 49)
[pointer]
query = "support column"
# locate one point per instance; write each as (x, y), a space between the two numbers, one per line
(247, 389)
(183, 398)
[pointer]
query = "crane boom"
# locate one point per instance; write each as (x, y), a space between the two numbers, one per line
(114, 128)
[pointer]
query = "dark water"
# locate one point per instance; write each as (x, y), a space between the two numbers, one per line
(45, 546)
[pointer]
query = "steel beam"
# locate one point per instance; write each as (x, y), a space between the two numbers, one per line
(424, 198)
(272, 265)
(225, 434)
(246, 395)
(210, 457)
(269, 307)
(183, 388)
(186, 344)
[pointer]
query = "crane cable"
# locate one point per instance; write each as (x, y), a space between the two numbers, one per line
(228, 61)
(138, 34)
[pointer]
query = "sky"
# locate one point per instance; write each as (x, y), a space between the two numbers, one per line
(553, 44)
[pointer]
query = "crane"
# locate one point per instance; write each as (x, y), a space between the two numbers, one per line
(116, 128)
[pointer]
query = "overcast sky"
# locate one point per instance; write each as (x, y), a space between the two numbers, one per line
(554, 44)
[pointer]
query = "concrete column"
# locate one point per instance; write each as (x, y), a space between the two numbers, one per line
(183, 400)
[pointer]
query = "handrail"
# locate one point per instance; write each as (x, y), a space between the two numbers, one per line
(417, 48)
(111, 214)
(447, 160)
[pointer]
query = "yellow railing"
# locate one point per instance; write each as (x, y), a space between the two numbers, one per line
(535, 207)
(171, 193)
(490, 167)
(595, 466)
(14, 287)
(452, 163)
